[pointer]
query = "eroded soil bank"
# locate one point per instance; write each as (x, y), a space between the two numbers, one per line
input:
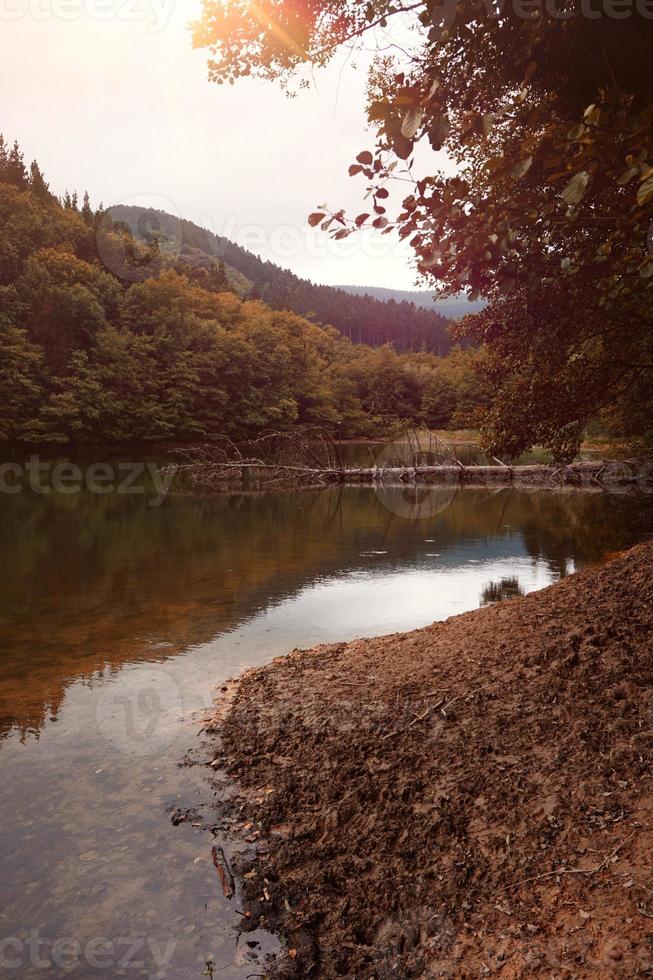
(469, 799)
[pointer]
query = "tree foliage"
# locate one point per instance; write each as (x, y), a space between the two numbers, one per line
(547, 112)
(363, 318)
(86, 356)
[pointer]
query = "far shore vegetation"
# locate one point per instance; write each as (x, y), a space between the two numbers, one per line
(188, 352)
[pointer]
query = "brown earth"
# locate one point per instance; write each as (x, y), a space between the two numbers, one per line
(469, 799)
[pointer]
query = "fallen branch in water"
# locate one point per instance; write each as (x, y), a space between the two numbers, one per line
(311, 458)
(224, 872)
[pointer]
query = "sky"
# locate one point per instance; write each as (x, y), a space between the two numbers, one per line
(109, 96)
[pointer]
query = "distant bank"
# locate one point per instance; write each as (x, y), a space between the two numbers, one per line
(453, 307)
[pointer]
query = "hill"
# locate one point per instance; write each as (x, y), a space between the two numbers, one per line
(109, 337)
(452, 307)
(362, 317)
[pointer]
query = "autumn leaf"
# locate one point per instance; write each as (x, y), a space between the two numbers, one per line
(315, 218)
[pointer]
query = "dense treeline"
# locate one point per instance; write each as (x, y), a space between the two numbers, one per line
(364, 319)
(86, 356)
(453, 307)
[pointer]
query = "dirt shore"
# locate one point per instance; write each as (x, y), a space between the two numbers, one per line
(470, 799)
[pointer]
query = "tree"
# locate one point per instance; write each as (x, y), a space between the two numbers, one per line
(21, 383)
(37, 181)
(87, 211)
(549, 119)
(15, 171)
(438, 402)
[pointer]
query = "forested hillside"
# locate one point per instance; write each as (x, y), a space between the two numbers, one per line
(452, 307)
(104, 339)
(364, 319)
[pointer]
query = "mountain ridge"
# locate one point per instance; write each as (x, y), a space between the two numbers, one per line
(452, 307)
(361, 317)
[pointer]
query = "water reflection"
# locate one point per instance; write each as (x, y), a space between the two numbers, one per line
(505, 588)
(117, 623)
(90, 582)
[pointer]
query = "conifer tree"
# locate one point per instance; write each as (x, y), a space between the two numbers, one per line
(218, 279)
(37, 181)
(87, 210)
(16, 172)
(3, 159)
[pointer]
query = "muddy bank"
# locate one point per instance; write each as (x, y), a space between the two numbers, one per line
(469, 799)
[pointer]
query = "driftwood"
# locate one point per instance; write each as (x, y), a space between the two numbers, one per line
(311, 458)
(238, 474)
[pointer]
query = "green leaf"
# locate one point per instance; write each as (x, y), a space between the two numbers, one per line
(412, 122)
(577, 132)
(574, 192)
(592, 115)
(646, 272)
(488, 121)
(645, 192)
(627, 176)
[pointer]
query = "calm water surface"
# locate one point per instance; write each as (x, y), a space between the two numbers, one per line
(118, 621)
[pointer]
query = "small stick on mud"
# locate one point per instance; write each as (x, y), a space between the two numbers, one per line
(417, 718)
(224, 872)
(576, 871)
(460, 697)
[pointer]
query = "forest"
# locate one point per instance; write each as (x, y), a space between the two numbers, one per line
(88, 356)
(360, 315)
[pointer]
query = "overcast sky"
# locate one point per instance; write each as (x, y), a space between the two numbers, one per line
(109, 95)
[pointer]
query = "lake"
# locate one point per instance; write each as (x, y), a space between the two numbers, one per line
(118, 622)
